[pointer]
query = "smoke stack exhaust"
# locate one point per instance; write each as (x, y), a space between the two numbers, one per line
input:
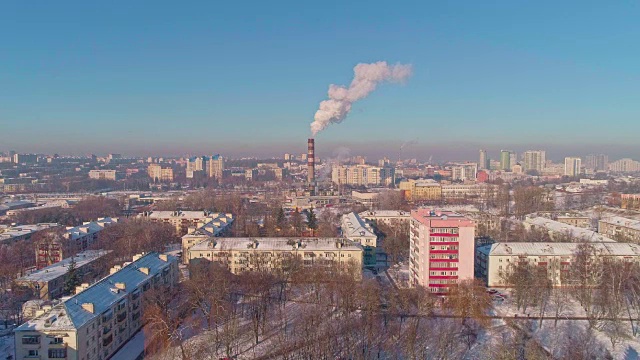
(311, 166)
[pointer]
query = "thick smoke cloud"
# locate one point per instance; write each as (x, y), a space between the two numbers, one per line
(366, 79)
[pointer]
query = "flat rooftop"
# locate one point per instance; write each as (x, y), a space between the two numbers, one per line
(441, 218)
(558, 249)
(60, 268)
(275, 244)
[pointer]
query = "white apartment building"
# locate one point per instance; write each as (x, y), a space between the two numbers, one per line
(183, 220)
(274, 254)
(216, 166)
(625, 166)
(48, 282)
(103, 174)
(617, 226)
(363, 175)
(535, 160)
(572, 166)
(467, 171)
(218, 227)
(389, 217)
(555, 258)
(358, 230)
(87, 233)
(564, 228)
(99, 319)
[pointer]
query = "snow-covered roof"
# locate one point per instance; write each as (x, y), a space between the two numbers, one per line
(354, 226)
(622, 221)
(574, 231)
(71, 315)
(275, 244)
(384, 213)
(89, 228)
(185, 215)
(60, 268)
(21, 230)
(557, 249)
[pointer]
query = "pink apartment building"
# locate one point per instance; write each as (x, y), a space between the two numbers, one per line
(442, 249)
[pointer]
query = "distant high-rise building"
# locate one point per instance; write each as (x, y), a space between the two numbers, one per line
(505, 160)
(572, 166)
(598, 162)
(216, 166)
(464, 171)
(158, 173)
(625, 166)
(484, 163)
(535, 160)
(196, 165)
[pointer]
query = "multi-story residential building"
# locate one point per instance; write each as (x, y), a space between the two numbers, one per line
(216, 166)
(23, 232)
(598, 162)
(485, 162)
(628, 201)
(99, 319)
(183, 220)
(103, 175)
(84, 235)
(274, 254)
(197, 165)
(535, 160)
(363, 175)
(388, 217)
(572, 166)
(552, 259)
(158, 173)
(25, 158)
(464, 171)
(558, 230)
(441, 249)
(620, 228)
(505, 160)
(358, 230)
(575, 220)
(452, 193)
(625, 166)
(421, 190)
(48, 283)
(218, 227)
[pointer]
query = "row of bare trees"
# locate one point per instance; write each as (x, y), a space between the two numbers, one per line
(607, 291)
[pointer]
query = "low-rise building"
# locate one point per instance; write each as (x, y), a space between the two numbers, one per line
(103, 175)
(23, 232)
(48, 283)
(274, 254)
(84, 235)
(158, 173)
(562, 231)
(630, 201)
(356, 229)
(388, 217)
(620, 228)
(554, 258)
(219, 227)
(183, 220)
(421, 190)
(101, 318)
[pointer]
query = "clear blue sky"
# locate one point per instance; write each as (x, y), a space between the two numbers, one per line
(213, 76)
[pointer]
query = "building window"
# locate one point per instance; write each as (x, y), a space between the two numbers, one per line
(56, 340)
(57, 353)
(32, 353)
(31, 339)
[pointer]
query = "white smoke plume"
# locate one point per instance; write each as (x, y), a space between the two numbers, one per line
(366, 79)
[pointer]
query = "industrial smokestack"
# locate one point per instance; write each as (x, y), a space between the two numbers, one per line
(311, 165)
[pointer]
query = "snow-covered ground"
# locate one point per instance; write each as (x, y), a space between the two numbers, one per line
(548, 333)
(7, 347)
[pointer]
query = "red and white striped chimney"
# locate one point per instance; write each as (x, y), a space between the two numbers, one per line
(311, 164)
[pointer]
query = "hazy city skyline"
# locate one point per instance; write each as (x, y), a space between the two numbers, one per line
(201, 78)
